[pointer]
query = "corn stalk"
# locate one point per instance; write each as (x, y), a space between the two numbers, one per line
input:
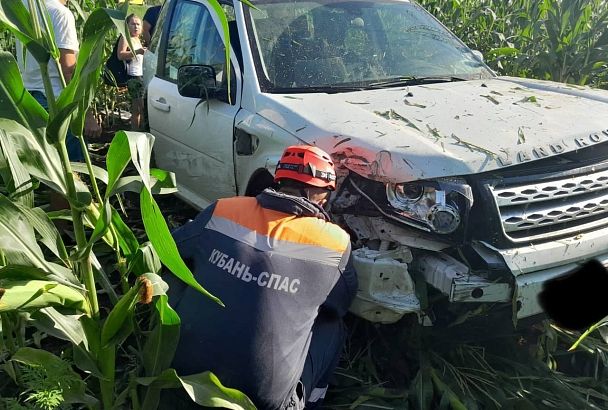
(56, 283)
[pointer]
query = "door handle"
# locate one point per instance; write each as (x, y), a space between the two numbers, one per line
(161, 104)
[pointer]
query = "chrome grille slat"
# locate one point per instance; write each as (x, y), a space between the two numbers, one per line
(518, 218)
(547, 191)
(541, 211)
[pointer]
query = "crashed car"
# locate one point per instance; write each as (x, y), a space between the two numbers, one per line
(454, 182)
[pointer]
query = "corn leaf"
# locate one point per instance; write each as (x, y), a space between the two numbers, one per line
(158, 233)
(166, 185)
(204, 389)
(117, 159)
(16, 18)
(36, 294)
(16, 178)
(162, 342)
(17, 239)
(84, 81)
(120, 317)
(39, 158)
(118, 324)
(100, 173)
(145, 260)
(47, 232)
(126, 239)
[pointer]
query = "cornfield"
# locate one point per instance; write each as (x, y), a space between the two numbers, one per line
(385, 367)
(559, 40)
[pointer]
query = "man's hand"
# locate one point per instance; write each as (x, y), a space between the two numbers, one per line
(92, 129)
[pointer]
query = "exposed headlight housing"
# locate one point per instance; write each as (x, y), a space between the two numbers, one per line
(439, 205)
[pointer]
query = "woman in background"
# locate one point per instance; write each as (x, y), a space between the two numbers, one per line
(134, 61)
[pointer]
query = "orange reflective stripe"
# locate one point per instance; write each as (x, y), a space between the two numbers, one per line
(248, 213)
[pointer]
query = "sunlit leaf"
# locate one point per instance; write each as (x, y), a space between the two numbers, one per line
(158, 233)
(40, 158)
(15, 102)
(14, 171)
(16, 18)
(48, 233)
(204, 389)
(117, 159)
(36, 294)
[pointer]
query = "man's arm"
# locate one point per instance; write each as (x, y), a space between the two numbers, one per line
(67, 62)
(146, 32)
(342, 294)
(149, 22)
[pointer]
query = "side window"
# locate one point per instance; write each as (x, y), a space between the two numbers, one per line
(193, 39)
(158, 29)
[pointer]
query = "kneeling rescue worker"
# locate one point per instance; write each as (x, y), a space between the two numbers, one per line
(283, 271)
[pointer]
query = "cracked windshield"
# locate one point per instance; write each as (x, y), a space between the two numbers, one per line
(357, 43)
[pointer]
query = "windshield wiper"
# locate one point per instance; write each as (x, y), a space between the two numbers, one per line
(414, 80)
(329, 89)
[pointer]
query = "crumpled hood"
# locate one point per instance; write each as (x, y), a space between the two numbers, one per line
(447, 129)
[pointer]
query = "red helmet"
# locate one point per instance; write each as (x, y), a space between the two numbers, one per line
(307, 164)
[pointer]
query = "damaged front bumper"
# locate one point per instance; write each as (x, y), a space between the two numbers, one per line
(387, 278)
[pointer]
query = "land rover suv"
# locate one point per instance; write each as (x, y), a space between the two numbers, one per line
(453, 181)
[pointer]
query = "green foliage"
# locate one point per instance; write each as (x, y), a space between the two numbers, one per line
(560, 40)
(58, 283)
(48, 381)
(396, 367)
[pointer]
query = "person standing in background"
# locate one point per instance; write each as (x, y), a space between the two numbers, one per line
(64, 28)
(150, 19)
(135, 69)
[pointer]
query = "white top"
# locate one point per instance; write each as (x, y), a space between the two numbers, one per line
(135, 67)
(64, 26)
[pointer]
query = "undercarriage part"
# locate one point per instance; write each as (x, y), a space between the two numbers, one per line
(386, 290)
(454, 280)
(378, 228)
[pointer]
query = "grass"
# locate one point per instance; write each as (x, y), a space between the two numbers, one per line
(406, 367)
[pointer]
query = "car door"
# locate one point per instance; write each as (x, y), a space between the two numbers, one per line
(194, 137)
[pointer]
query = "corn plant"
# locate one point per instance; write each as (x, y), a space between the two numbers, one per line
(54, 284)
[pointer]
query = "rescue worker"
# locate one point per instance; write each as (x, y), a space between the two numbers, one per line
(283, 271)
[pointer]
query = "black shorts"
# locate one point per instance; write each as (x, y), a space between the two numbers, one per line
(135, 86)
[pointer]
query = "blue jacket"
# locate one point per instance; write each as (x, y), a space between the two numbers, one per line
(277, 263)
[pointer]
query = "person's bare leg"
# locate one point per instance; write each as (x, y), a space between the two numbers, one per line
(136, 113)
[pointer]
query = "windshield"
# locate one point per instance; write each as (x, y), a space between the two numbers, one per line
(334, 44)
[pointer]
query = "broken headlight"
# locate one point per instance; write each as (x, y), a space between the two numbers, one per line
(440, 205)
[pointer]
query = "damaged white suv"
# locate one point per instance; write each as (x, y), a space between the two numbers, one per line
(456, 184)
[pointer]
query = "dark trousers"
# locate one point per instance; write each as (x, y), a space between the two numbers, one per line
(71, 142)
(323, 355)
(328, 336)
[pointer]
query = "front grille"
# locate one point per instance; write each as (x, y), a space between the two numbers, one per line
(544, 210)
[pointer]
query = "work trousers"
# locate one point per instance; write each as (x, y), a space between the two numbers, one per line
(323, 355)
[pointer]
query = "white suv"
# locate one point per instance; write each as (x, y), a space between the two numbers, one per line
(480, 186)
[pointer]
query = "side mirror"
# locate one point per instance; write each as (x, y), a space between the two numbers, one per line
(197, 81)
(478, 54)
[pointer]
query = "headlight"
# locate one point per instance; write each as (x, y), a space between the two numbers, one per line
(440, 204)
